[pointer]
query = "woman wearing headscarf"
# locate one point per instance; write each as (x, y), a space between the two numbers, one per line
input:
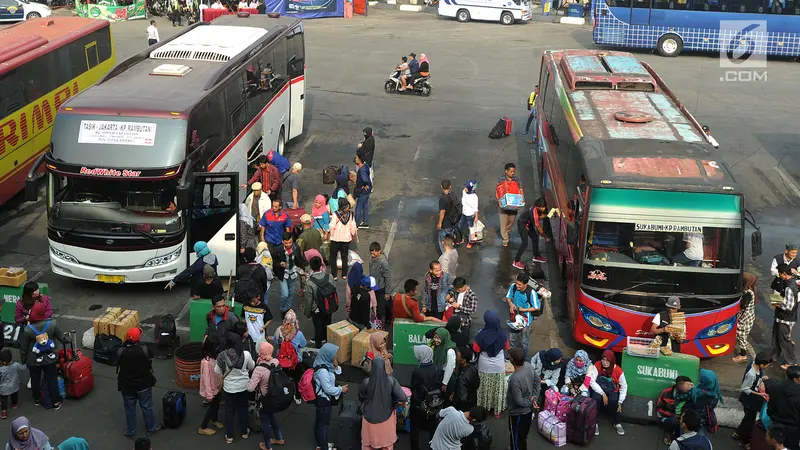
(576, 380)
(43, 362)
(247, 231)
(73, 443)
(746, 317)
(703, 398)
(377, 347)
(30, 296)
(259, 381)
(489, 345)
(444, 354)
(427, 377)
(290, 330)
(194, 273)
(341, 191)
(24, 437)
(424, 65)
(460, 338)
(235, 364)
(366, 151)
(379, 395)
(325, 370)
(469, 209)
(547, 366)
(321, 215)
(609, 389)
(343, 229)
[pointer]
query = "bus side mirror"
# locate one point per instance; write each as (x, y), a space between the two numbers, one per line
(183, 195)
(755, 243)
(31, 190)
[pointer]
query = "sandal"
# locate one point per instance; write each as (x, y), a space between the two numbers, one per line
(735, 435)
(156, 429)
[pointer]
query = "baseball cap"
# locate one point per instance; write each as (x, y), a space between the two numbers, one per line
(372, 283)
(791, 247)
(305, 218)
(673, 302)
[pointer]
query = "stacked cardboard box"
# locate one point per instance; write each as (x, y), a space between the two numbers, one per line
(342, 334)
(361, 346)
(127, 320)
(103, 322)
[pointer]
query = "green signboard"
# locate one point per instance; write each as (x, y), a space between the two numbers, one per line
(407, 334)
(647, 377)
(10, 296)
(112, 10)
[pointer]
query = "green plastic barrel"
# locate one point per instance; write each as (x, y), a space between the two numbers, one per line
(198, 311)
(647, 377)
(11, 295)
(407, 334)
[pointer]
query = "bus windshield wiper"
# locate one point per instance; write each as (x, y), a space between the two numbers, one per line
(698, 297)
(611, 295)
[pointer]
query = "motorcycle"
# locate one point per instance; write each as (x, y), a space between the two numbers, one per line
(421, 86)
(156, 7)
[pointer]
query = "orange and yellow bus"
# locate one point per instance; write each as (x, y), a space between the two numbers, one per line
(43, 62)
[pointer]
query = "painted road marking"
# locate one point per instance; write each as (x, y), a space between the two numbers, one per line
(393, 230)
(789, 182)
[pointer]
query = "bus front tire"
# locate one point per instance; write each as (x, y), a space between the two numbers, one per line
(507, 18)
(462, 15)
(669, 45)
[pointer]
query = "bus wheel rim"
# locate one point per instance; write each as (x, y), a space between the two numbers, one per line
(670, 45)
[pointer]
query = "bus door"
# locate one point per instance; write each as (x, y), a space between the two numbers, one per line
(213, 217)
(640, 12)
(295, 46)
(577, 209)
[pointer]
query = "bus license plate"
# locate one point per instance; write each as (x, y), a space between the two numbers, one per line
(111, 278)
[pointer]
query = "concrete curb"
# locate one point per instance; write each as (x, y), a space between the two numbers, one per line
(642, 411)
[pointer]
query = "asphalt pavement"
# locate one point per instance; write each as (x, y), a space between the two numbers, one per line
(482, 71)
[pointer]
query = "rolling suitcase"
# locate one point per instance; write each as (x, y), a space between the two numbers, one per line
(348, 436)
(173, 406)
(294, 215)
(581, 420)
(508, 126)
(77, 370)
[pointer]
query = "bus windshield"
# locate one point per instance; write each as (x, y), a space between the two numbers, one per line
(105, 206)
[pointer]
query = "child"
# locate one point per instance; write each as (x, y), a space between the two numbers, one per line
(379, 269)
(9, 382)
(752, 396)
(775, 438)
(257, 316)
(210, 385)
(469, 210)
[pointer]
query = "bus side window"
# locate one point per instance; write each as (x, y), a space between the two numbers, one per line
(206, 121)
(791, 7)
(619, 3)
(295, 53)
(234, 92)
(710, 5)
(39, 77)
(670, 4)
(644, 4)
(12, 95)
(746, 6)
(279, 59)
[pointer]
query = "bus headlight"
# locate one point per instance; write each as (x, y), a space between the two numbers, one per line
(718, 329)
(62, 255)
(161, 260)
(601, 323)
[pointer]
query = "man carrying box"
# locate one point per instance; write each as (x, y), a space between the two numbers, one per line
(507, 216)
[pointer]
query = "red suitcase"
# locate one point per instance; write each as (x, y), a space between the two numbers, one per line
(77, 370)
(508, 126)
(294, 215)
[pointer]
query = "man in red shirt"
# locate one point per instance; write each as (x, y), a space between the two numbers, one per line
(268, 176)
(405, 306)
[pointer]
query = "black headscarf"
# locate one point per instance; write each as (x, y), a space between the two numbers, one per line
(454, 327)
(342, 182)
(367, 150)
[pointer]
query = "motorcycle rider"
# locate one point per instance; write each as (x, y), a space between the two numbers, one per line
(423, 70)
(413, 68)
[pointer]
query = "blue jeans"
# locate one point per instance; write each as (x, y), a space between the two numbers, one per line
(322, 422)
(442, 233)
(145, 400)
(464, 225)
(531, 116)
(520, 339)
(611, 408)
(266, 293)
(287, 294)
(236, 404)
(362, 208)
(269, 423)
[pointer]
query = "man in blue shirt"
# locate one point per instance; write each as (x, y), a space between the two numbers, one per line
(522, 300)
(274, 223)
(362, 191)
(279, 161)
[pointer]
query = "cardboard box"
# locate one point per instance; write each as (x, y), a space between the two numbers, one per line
(103, 322)
(361, 346)
(342, 334)
(127, 320)
(512, 201)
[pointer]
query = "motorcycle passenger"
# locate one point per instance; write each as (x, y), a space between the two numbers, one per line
(424, 66)
(402, 69)
(413, 68)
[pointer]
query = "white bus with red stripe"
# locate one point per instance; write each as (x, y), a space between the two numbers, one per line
(148, 161)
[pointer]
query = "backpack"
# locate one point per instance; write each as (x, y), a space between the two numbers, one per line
(166, 331)
(501, 129)
(432, 403)
(307, 387)
(326, 296)
(453, 212)
(529, 294)
(280, 390)
(287, 355)
(245, 285)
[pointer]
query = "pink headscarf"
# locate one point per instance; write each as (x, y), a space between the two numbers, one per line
(317, 212)
(423, 58)
(265, 350)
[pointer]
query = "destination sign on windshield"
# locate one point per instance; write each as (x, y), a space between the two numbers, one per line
(117, 133)
(669, 228)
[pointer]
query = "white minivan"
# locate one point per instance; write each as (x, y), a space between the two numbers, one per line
(505, 11)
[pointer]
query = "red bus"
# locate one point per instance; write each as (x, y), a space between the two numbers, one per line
(647, 211)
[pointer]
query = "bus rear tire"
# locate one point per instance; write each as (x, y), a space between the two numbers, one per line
(281, 148)
(462, 15)
(507, 18)
(670, 45)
